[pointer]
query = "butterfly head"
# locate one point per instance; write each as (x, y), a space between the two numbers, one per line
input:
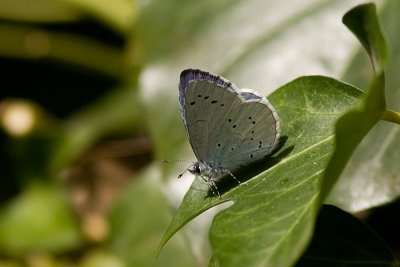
(195, 169)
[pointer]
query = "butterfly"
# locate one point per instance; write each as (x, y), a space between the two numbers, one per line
(228, 128)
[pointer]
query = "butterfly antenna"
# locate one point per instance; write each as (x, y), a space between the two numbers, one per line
(175, 161)
(181, 160)
(180, 175)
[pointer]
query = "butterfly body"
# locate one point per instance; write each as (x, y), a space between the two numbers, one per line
(228, 128)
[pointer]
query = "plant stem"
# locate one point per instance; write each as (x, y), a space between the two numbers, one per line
(392, 116)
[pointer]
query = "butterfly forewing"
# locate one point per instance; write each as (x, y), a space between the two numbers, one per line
(207, 106)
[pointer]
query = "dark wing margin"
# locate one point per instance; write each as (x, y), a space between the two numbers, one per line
(189, 75)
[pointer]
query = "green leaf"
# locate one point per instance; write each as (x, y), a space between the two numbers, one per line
(273, 214)
(350, 130)
(363, 22)
(137, 220)
(374, 164)
(342, 240)
(40, 219)
(354, 126)
(100, 258)
(38, 11)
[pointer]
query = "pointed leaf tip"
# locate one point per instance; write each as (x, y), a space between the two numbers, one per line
(363, 21)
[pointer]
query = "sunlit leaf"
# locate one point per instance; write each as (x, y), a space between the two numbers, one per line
(273, 214)
(374, 164)
(355, 125)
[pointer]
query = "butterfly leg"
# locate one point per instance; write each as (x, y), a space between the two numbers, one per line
(211, 184)
(233, 176)
(215, 187)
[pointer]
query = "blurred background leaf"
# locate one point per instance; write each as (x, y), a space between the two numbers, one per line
(137, 221)
(39, 219)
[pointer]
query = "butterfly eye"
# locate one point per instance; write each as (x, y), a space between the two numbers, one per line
(194, 169)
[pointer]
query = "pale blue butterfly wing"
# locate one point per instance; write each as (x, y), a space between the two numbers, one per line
(228, 128)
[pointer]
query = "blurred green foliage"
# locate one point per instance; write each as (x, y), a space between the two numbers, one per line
(88, 108)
